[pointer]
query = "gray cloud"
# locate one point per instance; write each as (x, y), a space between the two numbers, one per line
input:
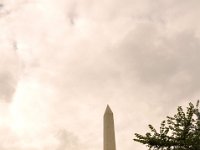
(170, 62)
(7, 87)
(10, 72)
(67, 141)
(79, 56)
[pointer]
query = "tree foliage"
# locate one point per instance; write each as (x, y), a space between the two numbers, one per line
(180, 132)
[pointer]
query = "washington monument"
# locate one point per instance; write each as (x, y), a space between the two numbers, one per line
(108, 130)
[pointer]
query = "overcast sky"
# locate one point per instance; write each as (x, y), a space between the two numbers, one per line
(63, 61)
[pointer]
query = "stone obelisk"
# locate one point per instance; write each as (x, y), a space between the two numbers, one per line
(108, 130)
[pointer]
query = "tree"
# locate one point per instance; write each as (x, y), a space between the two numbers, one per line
(180, 132)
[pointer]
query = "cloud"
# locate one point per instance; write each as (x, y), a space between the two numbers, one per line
(67, 141)
(70, 58)
(158, 59)
(7, 86)
(10, 71)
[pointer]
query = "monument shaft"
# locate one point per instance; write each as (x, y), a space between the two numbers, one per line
(109, 130)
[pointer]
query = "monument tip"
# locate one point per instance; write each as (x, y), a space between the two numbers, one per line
(108, 110)
(108, 130)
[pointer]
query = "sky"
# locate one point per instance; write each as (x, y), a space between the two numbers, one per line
(63, 61)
